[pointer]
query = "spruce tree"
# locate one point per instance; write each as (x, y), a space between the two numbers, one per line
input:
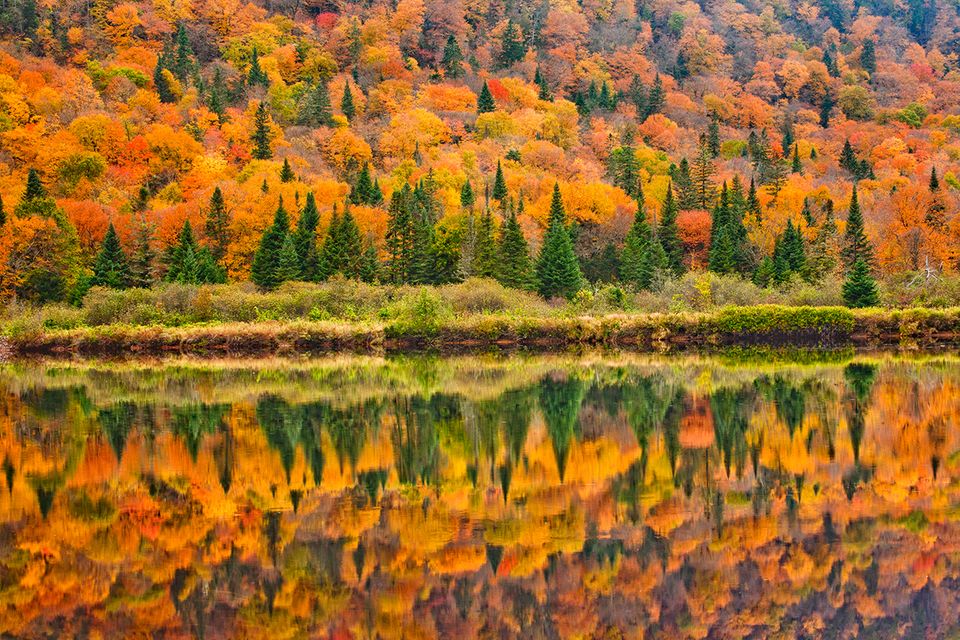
(642, 256)
(656, 98)
(351, 245)
(217, 226)
(256, 76)
(400, 235)
(515, 268)
(683, 182)
(936, 210)
(183, 57)
(826, 107)
(261, 136)
(702, 173)
(485, 260)
(868, 56)
(142, 259)
(796, 166)
(558, 271)
(543, 87)
(161, 83)
(668, 234)
(499, 185)
(763, 276)
(305, 239)
(189, 263)
(266, 260)
(856, 244)
(713, 135)
(288, 262)
(110, 269)
(316, 110)
(466, 196)
(217, 98)
(286, 173)
(860, 289)
(452, 61)
(347, 107)
(34, 189)
(485, 103)
(370, 264)
(512, 48)
(362, 191)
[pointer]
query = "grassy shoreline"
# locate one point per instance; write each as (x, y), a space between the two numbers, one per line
(427, 331)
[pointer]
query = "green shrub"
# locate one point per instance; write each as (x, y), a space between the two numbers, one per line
(421, 313)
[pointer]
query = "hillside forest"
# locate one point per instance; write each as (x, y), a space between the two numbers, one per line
(545, 144)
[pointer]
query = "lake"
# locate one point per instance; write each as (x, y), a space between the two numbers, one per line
(751, 494)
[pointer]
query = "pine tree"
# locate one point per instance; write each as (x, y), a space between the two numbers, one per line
(642, 256)
(937, 209)
(485, 261)
(188, 263)
(142, 259)
(683, 182)
(452, 61)
(266, 260)
(512, 48)
(657, 97)
(351, 245)
(558, 272)
(868, 56)
(848, 159)
(796, 166)
(288, 262)
(466, 196)
(499, 185)
(400, 235)
(160, 81)
(305, 239)
(217, 98)
(668, 234)
(702, 174)
(261, 134)
(217, 226)
(624, 168)
(856, 244)
(183, 58)
(822, 251)
(515, 268)
(786, 132)
(543, 86)
(362, 191)
(485, 103)
(860, 289)
(256, 75)
(763, 276)
(347, 107)
(316, 110)
(370, 264)
(110, 269)
(826, 107)
(637, 93)
(713, 135)
(793, 249)
(286, 173)
(35, 189)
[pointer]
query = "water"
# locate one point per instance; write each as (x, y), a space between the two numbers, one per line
(545, 497)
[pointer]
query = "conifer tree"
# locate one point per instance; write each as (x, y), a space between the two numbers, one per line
(713, 135)
(452, 61)
(466, 196)
(400, 235)
(183, 57)
(515, 268)
(786, 132)
(217, 226)
(362, 191)
(656, 98)
(826, 108)
(161, 83)
(188, 263)
(624, 169)
(485, 103)
(796, 166)
(668, 234)
(558, 271)
(702, 174)
(637, 94)
(936, 210)
(642, 256)
(763, 276)
(868, 56)
(499, 185)
(860, 289)
(267, 258)
(512, 48)
(142, 259)
(352, 245)
(370, 264)
(256, 75)
(543, 87)
(856, 244)
(110, 269)
(347, 107)
(753, 202)
(316, 110)
(683, 182)
(261, 134)
(485, 261)
(286, 173)
(305, 239)
(217, 98)
(822, 260)
(288, 262)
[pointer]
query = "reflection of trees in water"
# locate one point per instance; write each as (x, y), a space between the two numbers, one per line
(859, 377)
(192, 422)
(415, 439)
(560, 398)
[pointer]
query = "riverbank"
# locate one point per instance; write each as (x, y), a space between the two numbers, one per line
(425, 330)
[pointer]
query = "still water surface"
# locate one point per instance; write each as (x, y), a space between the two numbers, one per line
(543, 497)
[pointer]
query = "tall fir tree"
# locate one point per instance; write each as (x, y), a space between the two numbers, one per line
(261, 136)
(467, 198)
(216, 227)
(256, 76)
(142, 274)
(347, 108)
(362, 191)
(656, 98)
(288, 262)
(512, 48)
(860, 289)
(189, 263)
(642, 256)
(485, 260)
(514, 266)
(400, 235)
(856, 244)
(499, 185)
(452, 61)
(713, 135)
(305, 238)
(558, 271)
(110, 269)
(266, 260)
(668, 234)
(286, 172)
(485, 103)
(316, 110)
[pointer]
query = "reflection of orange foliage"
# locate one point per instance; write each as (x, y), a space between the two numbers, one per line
(696, 427)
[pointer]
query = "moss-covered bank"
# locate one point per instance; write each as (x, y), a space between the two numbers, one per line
(424, 329)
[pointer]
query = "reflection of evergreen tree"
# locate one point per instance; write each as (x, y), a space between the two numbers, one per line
(415, 441)
(192, 422)
(117, 421)
(731, 416)
(860, 377)
(223, 455)
(560, 399)
(516, 406)
(283, 425)
(45, 487)
(348, 430)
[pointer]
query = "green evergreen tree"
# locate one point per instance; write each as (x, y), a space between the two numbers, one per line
(217, 226)
(400, 235)
(35, 189)
(255, 75)
(266, 260)
(261, 134)
(624, 168)
(362, 191)
(286, 173)
(110, 269)
(515, 268)
(543, 87)
(763, 276)
(668, 234)
(786, 132)
(936, 210)
(305, 239)
(512, 48)
(822, 259)
(189, 263)
(683, 182)
(183, 58)
(452, 61)
(558, 271)
(642, 256)
(868, 56)
(796, 166)
(485, 103)
(860, 289)
(467, 198)
(485, 261)
(656, 98)
(161, 83)
(316, 110)
(218, 96)
(142, 259)
(856, 244)
(826, 108)
(288, 262)
(499, 185)
(347, 108)
(702, 173)
(713, 135)
(370, 264)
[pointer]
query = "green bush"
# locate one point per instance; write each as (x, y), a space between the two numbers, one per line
(421, 313)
